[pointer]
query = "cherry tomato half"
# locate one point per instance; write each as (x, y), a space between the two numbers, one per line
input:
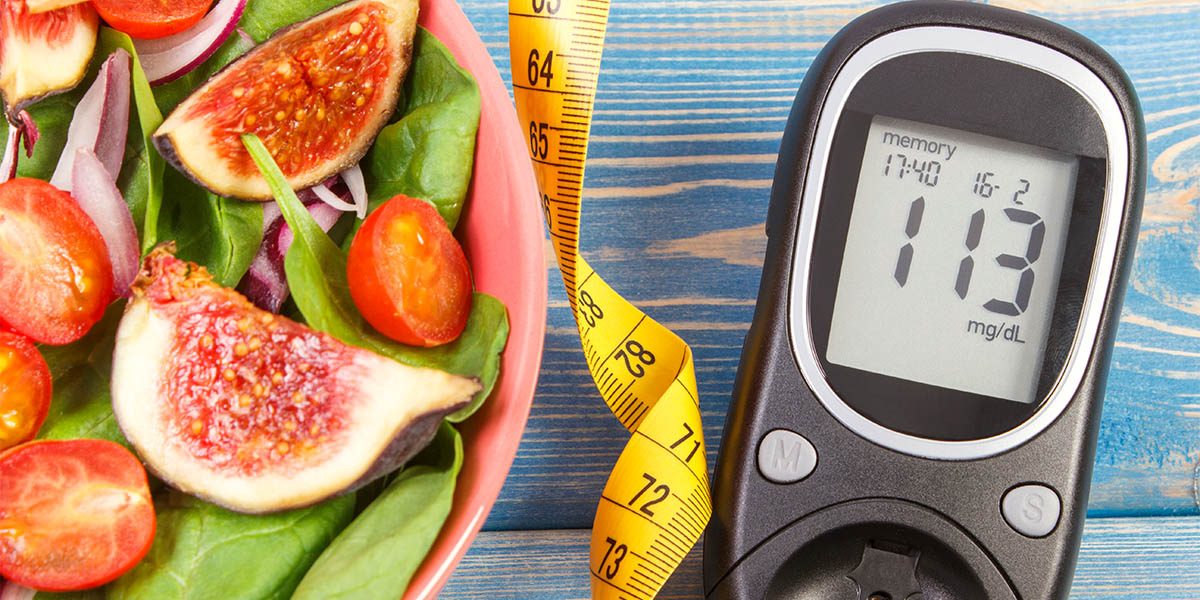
(24, 390)
(54, 267)
(150, 19)
(76, 514)
(408, 275)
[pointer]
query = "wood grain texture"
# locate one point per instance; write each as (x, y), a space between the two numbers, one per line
(1142, 557)
(692, 102)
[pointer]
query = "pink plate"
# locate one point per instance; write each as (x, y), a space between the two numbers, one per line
(502, 235)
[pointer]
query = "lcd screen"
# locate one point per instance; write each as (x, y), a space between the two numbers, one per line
(952, 259)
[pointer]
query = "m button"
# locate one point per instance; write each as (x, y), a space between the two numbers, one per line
(786, 456)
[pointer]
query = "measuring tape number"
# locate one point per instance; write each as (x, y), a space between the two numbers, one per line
(656, 503)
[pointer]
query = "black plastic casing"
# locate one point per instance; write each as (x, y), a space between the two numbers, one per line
(762, 533)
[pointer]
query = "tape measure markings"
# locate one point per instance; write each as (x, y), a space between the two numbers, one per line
(700, 480)
(625, 594)
(644, 372)
(640, 516)
(648, 561)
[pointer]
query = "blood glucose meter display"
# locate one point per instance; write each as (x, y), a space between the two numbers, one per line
(952, 259)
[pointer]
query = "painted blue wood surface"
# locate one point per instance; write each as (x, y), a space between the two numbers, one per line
(692, 102)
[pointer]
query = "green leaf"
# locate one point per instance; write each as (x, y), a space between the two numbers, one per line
(376, 556)
(204, 552)
(429, 152)
(262, 19)
(316, 271)
(219, 233)
(82, 404)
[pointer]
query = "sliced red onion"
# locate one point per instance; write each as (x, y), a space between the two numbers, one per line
(246, 39)
(169, 58)
(358, 189)
(29, 131)
(8, 168)
(98, 196)
(332, 199)
(100, 123)
(356, 186)
(271, 213)
(265, 283)
(15, 591)
(26, 130)
(323, 214)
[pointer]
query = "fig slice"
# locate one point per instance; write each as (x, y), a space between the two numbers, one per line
(44, 53)
(253, 411)
(316, 93)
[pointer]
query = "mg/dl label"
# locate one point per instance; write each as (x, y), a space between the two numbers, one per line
(992, 332)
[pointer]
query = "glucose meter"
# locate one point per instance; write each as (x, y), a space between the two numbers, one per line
(951, 224)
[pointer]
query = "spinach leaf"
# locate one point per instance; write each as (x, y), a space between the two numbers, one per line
(219, 233)
(316, 270)
(376, 556)
(429, 152)
(262, 18)
(204, 552)
(82, 406)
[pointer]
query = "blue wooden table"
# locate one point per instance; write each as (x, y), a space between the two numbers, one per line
(692, 102)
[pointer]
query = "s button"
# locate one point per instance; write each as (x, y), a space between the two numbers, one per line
(1031, 509)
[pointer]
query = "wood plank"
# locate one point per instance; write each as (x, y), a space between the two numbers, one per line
(1126, 558)
(693, 100)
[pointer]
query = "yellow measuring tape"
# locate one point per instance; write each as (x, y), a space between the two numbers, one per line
(656, 503)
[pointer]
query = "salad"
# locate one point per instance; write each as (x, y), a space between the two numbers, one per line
(311, 259)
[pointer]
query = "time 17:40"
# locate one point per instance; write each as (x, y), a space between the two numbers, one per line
(926, 171)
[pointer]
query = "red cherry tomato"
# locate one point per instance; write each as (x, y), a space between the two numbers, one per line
(75, 514)
(150, 19)
(408, 275)
(54, 267)
(24, 390)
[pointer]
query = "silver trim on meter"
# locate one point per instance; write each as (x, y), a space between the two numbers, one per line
(1000, 47)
